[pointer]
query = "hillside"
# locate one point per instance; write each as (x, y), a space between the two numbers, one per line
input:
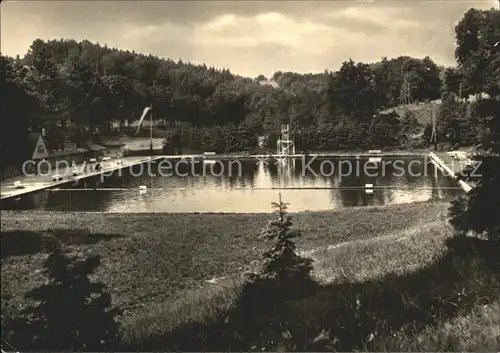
(422, 111)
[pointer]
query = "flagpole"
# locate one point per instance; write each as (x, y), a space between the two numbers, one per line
(151, 145)
(151, 134)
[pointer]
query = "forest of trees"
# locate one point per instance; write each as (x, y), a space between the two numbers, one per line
(76, 90)
(344, 110)
(478, 58)
(72, 90)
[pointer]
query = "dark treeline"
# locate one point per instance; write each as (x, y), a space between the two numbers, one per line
(73, 90)
(78, 91)
(477, 73)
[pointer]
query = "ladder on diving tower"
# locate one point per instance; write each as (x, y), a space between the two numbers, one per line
(285, 145)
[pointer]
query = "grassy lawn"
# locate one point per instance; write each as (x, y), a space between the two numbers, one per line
(477, 331)
(170, 253)
(156, 267)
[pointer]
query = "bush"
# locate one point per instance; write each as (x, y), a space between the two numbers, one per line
(72, 313)
(480, 213)
(281, 264)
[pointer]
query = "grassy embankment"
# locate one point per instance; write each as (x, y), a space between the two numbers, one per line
(422, 111)
(414, 294)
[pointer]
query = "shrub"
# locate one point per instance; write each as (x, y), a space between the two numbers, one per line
(72, 313)
(480, 214)
(290, 271)
(260, 312)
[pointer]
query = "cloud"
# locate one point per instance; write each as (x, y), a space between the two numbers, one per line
(249, 37)
(267, 28)
(165, 32)
(385, 17)
(232, 31)
(221, 23)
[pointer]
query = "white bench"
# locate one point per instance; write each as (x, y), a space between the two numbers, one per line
(374, 151)
(457, 154)
(104, 159)
(374, 159)
(18, 184)
(56, 177)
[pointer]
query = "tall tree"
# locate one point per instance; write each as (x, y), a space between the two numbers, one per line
(480, 211)
(353, 91)
(16, 108)
(477, 51)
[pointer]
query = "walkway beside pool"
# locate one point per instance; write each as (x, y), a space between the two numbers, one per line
(10, 188)
(451, 165)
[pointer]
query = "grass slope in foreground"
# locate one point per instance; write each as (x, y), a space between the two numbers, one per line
(156, 266)
(148, 259)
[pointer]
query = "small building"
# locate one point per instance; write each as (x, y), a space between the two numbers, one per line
(35, 157)
(66, 157)
(73, 155)
(25, 156)
(114, 149)
(40, 150)
(34, 151)
(94, 150)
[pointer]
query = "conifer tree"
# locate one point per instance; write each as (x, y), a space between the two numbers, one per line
(282, 264)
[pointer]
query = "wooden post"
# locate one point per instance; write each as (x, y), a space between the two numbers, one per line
(434, 132)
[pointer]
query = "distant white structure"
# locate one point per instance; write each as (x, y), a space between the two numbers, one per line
(374, 159)
(271, 83)
(261, 141)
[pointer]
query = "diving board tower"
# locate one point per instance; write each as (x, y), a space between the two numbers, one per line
(285, 144)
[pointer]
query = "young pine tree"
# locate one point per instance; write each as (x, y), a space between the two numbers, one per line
(290, 271)
(260, 314)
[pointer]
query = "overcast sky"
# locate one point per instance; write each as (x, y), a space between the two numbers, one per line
(248, 37)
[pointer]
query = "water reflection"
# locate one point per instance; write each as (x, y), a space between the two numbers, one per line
(250, 186)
